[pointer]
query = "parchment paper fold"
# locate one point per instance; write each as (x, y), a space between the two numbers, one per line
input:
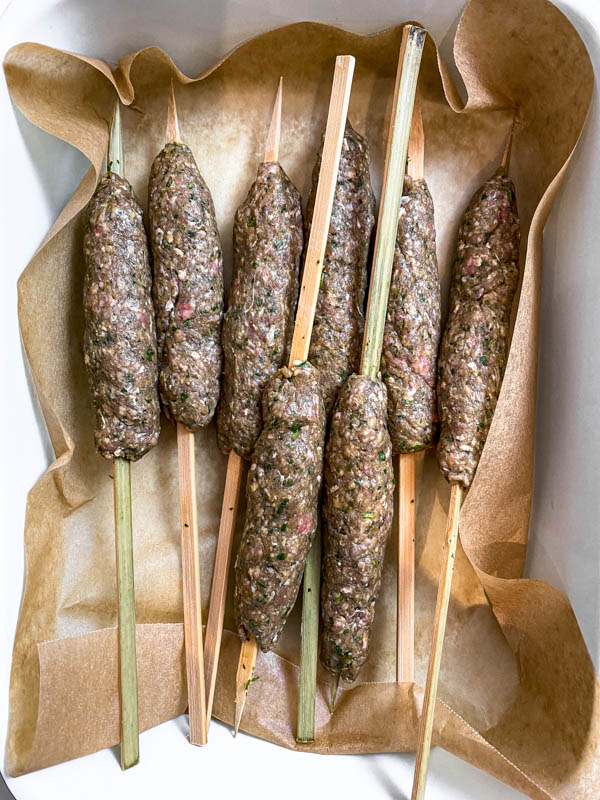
(518, 695)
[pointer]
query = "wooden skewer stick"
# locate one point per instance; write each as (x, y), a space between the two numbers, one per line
(274, 135)
(441, 608)
(504, 164)
(190, 551)
(313, 265)
(244, 678)
(218, 594)
(128, 690)
(435, 657)
(405, 615)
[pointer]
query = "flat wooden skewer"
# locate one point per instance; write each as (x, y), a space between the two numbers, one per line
(128, 690)
(441, 611)
(439, 628)
(190, 552)
(405, 635)
(409, 62)
(231, 496)
(313, 265)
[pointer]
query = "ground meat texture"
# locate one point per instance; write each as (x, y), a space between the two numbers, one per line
(475, 342)
(267, 246)
(359, 499)
(336, 339)
(412, 331)
(282, 495)
(188, 286)
(120, 334)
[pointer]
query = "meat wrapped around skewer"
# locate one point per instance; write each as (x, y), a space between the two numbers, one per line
(412, 331)
(267, 246)
(359, 494)
(120, 334)
(282, 494)
(188, 286)
(336, 339)
(475, 342)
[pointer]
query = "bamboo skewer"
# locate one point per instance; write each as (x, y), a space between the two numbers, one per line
(128, 690)
(441, 608)
(190, 552)
(409, 61)
(405, 635)
(435, 657)
(218, 594)
(405, 614)
(313, 265)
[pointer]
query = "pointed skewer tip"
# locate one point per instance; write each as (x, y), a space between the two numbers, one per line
(114, 160)
(172, 131)
(504, 164)
(274, 134)
(239, 711)
(244, 678)
(335, 684)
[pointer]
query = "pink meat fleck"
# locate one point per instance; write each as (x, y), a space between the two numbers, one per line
(421, 365)
(305, 523)
(185, 310)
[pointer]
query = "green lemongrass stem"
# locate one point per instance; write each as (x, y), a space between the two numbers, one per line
(128, 690)
(413, 40)
(126, 614)
(310, 642)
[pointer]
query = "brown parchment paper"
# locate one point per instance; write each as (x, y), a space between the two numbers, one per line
(518, 695)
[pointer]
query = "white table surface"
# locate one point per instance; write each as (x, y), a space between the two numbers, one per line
(43, 172)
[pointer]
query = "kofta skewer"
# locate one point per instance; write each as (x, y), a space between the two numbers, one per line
(188, 292)
(408, 365)
(291, 400)
(472, 361)
(405, 604)
(338, 326)
(359, 481)
(119, 348)
(268, 244)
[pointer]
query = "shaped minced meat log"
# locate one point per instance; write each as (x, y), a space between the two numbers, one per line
(336, 339)
(475, 342)
(267, 247)
(412, 331)
(282, 495)
(120, 334)
(357, 516)
(188, 286)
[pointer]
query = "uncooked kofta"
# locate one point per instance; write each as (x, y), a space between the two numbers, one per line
(359, 482)
(282, 495)
(188, 286)
(339, 319)
(475, 342)
(120, 334)
(267, 247)
(413, 324)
